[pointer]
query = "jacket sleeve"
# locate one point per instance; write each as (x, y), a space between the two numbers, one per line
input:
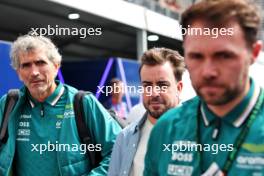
(2, 106)
(103, 128)
(116, 160)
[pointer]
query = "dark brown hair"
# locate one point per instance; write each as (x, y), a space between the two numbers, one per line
(159, 56)
(220, 12)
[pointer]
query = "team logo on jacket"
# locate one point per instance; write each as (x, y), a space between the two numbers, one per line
(179, 170)
(23, 131)
(58, 124)
(250, 161)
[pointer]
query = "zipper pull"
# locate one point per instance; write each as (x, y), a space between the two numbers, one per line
(216, 131)
(42, 110)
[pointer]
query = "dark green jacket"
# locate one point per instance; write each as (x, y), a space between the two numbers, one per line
(179, 127)
(98, 120)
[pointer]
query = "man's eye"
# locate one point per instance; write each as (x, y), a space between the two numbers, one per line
(225, 55)
(147, 87)
(164, 86)
(40, 63)
(195, 56)
(25, 65)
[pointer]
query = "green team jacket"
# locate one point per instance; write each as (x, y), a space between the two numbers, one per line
(98, 120)
(179, 127)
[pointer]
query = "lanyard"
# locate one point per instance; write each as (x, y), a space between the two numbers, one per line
(241, 137)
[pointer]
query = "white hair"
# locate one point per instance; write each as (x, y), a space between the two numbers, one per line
(28, 43)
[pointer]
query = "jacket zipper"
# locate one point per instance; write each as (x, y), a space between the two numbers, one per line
(41, 110)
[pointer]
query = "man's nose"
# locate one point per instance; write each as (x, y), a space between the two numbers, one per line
(34, 70)
(210, 70)
(155, 91)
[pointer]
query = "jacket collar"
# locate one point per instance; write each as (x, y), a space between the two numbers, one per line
(235, 117)
(139, 124)
(52, 99)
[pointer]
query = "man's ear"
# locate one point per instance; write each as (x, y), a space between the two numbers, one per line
(179, 86)
(57, 66)
(257, 46)
(18, 73)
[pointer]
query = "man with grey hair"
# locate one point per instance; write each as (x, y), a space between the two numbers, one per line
(42, 132)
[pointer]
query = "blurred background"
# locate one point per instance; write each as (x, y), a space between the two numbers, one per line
(128, 28)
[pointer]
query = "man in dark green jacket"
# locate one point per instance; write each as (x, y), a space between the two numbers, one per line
(220, 131)
(43, 137)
